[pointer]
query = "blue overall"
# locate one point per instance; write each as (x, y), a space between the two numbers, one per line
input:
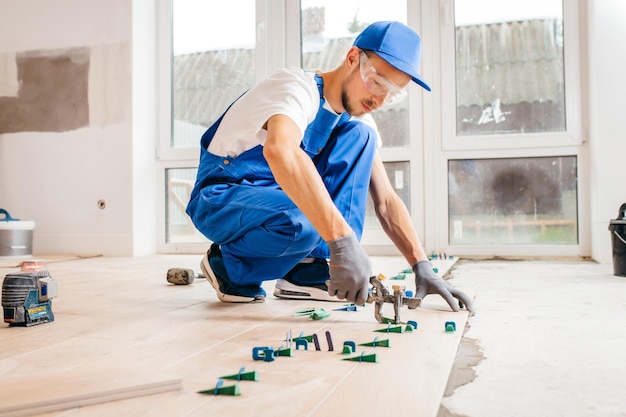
(237, 204)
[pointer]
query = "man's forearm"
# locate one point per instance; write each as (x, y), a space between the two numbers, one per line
(396, 222)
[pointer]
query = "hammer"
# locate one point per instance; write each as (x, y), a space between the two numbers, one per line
(182, 276)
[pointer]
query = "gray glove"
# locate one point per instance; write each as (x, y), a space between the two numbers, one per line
(427, 282)
(350, 270)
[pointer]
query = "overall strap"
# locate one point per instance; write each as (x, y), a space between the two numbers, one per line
(320, 129)
(320, 85)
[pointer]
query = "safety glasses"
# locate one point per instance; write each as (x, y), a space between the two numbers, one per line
(379, 85)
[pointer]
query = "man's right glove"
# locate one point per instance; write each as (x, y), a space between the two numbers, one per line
(350, 270)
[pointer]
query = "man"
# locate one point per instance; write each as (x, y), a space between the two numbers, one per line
(285, 172)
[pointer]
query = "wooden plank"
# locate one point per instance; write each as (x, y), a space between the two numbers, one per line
(410, 378)
(414, 372)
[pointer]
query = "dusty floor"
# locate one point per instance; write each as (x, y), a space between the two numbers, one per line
(548, 339)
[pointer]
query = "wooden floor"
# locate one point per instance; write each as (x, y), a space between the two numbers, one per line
(121, 328)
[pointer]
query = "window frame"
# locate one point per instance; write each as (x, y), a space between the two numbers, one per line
(570, 142)
(430, 143)
(269, 20)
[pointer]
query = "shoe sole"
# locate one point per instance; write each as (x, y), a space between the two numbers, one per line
(285, 289)
(205, 266)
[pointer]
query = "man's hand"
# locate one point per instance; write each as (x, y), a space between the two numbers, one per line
(427, 282)
(350, 270)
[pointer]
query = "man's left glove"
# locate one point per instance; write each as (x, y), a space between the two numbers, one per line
(427, 282)
(350, 270)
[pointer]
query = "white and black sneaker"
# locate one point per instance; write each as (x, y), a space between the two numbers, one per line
(285, 289)
(306, 281)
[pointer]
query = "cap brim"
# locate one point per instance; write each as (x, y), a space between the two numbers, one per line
(404, 67)
(421, 82)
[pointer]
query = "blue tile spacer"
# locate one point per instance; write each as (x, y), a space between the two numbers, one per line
(263, 353)
(412, 323)
(450, 326)
(350, 344)
(268, 355)
(301, 341)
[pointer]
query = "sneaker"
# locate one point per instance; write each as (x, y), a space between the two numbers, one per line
(212, 266)
(306, 281)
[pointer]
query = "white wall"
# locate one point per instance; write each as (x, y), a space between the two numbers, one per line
(607, 133)
(57, 179)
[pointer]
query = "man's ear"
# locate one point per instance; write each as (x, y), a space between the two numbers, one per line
(353, 57)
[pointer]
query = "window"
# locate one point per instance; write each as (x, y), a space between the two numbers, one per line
(179, 183)
(328, 30)
(509, 67)
(513, 201)
(515, 100)
(212, 63)
(505, 106)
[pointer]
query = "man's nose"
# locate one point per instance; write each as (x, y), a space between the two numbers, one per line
(379, 101)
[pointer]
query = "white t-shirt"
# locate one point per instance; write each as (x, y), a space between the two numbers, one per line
(291, 92)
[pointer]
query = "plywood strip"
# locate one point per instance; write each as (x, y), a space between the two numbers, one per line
(36, 394)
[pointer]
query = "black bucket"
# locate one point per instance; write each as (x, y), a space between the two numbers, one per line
(618, 237)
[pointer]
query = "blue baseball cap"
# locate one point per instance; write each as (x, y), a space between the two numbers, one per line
(397, 44)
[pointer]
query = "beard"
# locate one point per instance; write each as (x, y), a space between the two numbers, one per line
(349, 108)
(344, 100)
